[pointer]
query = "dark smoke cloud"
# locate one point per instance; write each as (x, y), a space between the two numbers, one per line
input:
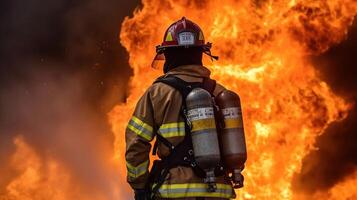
(336, 156)
(61, 70)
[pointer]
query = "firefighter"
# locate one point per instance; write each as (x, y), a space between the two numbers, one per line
(159, 114)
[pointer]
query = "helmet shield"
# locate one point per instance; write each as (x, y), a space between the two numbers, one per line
(186, 38)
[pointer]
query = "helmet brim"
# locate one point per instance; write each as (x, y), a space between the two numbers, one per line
(158, 61)
(161, 48)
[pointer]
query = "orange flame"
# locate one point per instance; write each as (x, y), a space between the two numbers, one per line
(264, 48)
(46, 178)
(346, 189)
(40, 178)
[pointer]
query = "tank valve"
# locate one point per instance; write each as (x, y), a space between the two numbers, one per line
(237, 178)
(211, 181)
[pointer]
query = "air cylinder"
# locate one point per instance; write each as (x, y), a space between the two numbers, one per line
(231, 135)
(200, 113)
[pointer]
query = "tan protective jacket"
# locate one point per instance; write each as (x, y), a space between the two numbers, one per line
(160, 107)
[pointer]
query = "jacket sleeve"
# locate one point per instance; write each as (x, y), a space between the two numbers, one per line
(138, 135)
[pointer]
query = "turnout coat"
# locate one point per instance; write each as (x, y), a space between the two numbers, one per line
(158, 112)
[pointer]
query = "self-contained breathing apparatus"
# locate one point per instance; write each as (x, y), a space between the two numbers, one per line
(214, 143)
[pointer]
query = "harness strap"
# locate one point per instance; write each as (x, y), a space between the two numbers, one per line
(165, 142)
(184, 88)
(181, 154)
(209, 85)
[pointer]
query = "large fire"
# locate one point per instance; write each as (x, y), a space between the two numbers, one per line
(264, 48)
(41, 179)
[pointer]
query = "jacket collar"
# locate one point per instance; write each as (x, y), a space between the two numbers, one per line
(190, 70)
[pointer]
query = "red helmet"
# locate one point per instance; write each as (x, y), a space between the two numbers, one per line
(183, 33)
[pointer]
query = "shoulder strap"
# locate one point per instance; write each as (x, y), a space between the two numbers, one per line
(182, 86)
(186, 87)
(180, 152)
(209, 85)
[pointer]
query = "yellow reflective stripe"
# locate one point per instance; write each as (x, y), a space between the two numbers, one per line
(172, 129)
(173, 134)
(141, 123)
(203, 124)
(195, 190)
(172, 125)
(138, 132)
(193, 185)
(140, 128)
(233, 123)
(137, 171)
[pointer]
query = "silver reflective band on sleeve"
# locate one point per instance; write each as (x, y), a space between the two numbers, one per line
(195, 190)
(200, 113)
(140, 128)
(137, 171)
(172, 129)
(231, 113)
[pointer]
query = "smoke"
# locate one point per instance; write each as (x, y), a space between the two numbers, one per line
(61, 70)
(336, 154)
(49, 111)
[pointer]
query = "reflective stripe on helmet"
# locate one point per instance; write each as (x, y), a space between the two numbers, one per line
(175, 129)
(140, 128)
(134, 172)
(195, 190)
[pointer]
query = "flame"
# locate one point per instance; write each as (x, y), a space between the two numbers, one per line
(346, 189)
(264, 48)
(38, 179)
(43, 178)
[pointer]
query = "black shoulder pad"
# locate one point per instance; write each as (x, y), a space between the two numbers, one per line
(186, 87)
(182, 86)
(209, 85)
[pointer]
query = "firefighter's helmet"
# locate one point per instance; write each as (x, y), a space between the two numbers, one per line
(182, 34)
